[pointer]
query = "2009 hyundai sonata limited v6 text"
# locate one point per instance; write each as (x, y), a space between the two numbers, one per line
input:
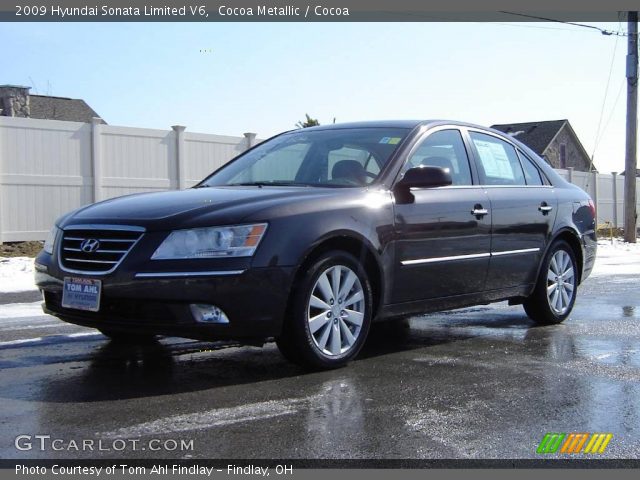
(315, 233)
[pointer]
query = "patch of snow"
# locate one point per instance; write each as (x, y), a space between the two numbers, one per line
(617, 258)
(16, 274)
(21, 310)
(49, 339)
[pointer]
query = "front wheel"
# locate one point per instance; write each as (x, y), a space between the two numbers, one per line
(555, 292)
(330, 313)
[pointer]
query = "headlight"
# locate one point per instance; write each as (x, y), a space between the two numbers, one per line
(213, 242)
(49, 243)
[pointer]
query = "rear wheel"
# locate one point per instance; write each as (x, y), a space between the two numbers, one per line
(555, 292)
(330, 313)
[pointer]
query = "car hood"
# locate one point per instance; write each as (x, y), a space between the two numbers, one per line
(183, 208)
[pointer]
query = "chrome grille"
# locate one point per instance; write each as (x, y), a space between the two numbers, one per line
(96, 250)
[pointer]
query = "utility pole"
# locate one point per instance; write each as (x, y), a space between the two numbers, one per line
(632, 131)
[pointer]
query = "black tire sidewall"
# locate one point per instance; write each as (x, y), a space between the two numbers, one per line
(542, 310)
(309, 352)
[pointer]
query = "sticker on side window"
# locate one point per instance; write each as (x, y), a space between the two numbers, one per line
(494, 159)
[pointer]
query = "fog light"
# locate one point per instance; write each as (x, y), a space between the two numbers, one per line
(208, 313)
(39, 267)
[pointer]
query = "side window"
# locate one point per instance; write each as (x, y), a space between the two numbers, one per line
(498, 161)
(531, 172)
(444, 149)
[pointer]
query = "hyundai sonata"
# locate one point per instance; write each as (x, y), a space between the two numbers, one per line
(314, 234)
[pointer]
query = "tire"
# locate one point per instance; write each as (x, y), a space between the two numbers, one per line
(555, 292)
(129, 338)
(322, 331)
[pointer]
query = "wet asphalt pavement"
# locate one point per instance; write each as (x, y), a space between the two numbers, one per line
(481, 382)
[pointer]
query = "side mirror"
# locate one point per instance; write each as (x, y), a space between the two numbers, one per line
(421, 177)
(425, 177)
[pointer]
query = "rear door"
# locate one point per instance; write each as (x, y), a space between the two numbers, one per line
(443, 235)
(523, 210)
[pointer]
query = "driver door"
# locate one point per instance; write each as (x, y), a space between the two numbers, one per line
(443, 237)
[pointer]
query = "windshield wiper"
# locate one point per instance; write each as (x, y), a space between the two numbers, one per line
(264, 183)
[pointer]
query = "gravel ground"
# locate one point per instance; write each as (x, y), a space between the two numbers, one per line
(20, 249)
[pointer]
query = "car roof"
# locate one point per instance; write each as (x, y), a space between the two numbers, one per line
(396, 124)
(371, 124)
(411, 124)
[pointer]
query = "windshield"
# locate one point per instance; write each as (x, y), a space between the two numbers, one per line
(350, 157)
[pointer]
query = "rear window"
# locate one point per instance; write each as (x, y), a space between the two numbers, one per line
(531, 173)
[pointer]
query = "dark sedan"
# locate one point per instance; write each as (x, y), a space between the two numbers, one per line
(315, 233)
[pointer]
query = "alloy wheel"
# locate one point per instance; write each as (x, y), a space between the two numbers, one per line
(560, 282)
(336, 310)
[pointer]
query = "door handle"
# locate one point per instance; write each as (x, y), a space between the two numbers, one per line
(545, 208)
(479, 211)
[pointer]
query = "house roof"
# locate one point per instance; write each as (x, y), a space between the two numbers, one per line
(60, 108)
(536, 135)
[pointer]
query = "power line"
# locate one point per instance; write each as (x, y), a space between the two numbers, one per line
(613, 109)
(575, 24)
(437, 18)
(604, 100)
(600, 133)
(519, 25)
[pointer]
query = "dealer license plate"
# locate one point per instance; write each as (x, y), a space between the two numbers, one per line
(81, 293)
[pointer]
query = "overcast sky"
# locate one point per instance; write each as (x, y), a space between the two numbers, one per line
(263, 77)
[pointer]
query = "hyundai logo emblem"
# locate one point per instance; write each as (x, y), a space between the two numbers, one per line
(89, 245)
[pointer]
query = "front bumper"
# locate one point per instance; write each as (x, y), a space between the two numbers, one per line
(254, 300)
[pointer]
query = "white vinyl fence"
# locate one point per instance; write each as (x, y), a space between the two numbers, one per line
(607, 191)
(49, 167)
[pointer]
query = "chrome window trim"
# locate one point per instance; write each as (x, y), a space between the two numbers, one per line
(483, 187)
(211, 273)
(419, 261)
(93, 226)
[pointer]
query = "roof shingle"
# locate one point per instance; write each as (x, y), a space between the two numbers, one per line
(60, 108)
(536, 135)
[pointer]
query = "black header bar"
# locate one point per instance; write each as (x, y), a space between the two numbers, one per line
(311, 10)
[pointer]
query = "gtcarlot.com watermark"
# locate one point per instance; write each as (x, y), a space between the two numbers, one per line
(47, 443)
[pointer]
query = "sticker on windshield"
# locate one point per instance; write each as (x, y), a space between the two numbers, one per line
(384, 140)
(394, 140)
